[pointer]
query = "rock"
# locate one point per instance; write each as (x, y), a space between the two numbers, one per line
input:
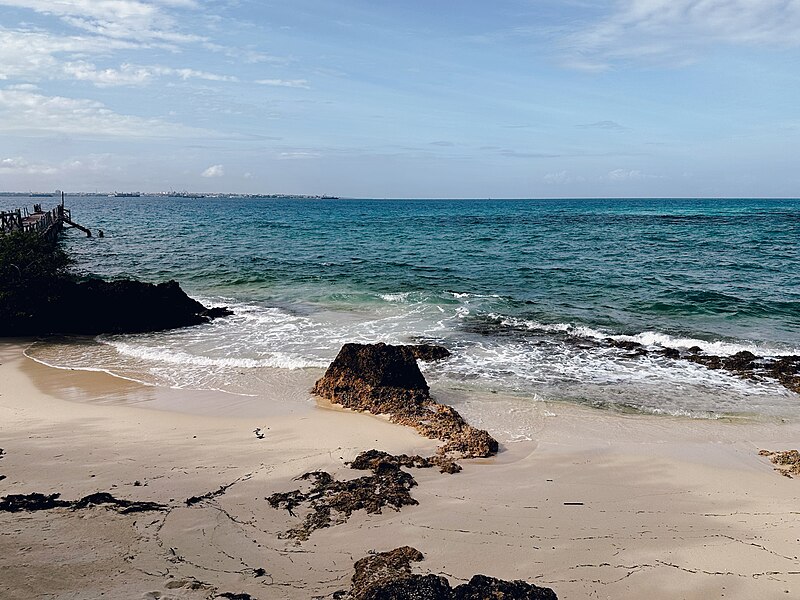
(481, 587)
(384, 565)
(786, 369)
(31, 502)
(121, 506)
(35, 502)
(384, 379)
(372, 459)
(126, 306)
(429, 352)
(787, 463)
(670, 352)
(741, 361)
(96, 306)
(388, 576)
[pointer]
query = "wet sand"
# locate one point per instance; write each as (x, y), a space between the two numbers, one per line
(597, 505)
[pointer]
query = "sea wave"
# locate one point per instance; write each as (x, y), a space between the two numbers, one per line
(646, 338)
(172, 356)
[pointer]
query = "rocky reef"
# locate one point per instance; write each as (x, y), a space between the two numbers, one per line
(385, 380)
(784, 369)
(388, 576)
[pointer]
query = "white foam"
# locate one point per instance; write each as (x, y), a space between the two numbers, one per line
(177, 357)
(398, 297)
(647, 338)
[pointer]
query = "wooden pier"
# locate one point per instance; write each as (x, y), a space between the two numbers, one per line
(47, 224)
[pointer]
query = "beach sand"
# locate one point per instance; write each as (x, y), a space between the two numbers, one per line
(597, 505)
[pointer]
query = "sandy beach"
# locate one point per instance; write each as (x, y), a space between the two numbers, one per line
(597, 505)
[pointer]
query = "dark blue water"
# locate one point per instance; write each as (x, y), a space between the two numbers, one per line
(510, 285)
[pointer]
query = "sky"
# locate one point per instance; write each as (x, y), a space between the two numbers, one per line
(402, 98)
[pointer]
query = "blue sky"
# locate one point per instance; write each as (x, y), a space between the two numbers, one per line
(411, 98)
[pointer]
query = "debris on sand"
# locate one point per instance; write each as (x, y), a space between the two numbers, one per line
(786, 463)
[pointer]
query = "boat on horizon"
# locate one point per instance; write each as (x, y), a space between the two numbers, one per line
(125, 195)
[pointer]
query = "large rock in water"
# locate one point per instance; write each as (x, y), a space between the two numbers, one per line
(385, 380)
(96, 306)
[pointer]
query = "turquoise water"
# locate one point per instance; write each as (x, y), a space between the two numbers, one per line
(519, 289)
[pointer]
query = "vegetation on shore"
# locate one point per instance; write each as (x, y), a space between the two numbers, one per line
(39, 295)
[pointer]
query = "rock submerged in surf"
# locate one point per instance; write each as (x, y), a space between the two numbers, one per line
(386, 380)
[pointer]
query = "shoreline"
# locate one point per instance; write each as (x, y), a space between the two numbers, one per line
(596, 504)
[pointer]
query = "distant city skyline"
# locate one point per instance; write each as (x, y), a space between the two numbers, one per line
(447, 98)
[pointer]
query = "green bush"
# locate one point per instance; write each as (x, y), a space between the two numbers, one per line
(32, 270)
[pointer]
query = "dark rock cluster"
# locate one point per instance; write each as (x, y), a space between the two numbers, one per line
(96, 306)
(388, 576)
(330, 501)
(372, 459)
(34, 502)
(40, 296)
(385, 380)
(785, 369)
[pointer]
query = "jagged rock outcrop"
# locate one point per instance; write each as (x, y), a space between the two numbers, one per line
(96, 306)
(386, 380)
(388, 576)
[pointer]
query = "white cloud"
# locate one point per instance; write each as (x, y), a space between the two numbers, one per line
(623, 175)
(298, 155)
(290, 83)
(629, 175)
(677, 31)
(23, 111)
(119, 19)
(129, 74)
(21, 166)
(214, 171)
(559, 177)
(37, 56)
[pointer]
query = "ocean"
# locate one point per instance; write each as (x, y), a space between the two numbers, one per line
(521, 291)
